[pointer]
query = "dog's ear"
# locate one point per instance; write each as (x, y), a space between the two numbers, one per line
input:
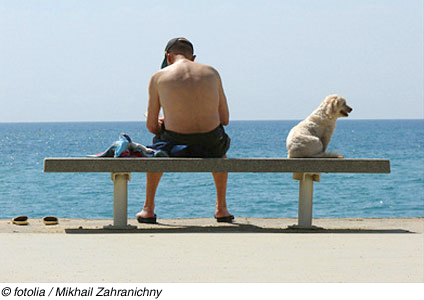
(336, 104)
(332, 104)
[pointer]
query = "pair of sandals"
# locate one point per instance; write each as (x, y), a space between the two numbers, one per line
(152, 220)
(23, 220)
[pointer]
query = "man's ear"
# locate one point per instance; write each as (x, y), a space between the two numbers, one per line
(168, 58)
(193, 57)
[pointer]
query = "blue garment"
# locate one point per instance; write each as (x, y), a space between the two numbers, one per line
(125, 147)
(122, 144)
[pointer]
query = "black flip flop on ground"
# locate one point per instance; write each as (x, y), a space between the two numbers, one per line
(21, 220)
(50, 220)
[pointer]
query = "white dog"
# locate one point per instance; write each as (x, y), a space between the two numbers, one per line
(311, 137)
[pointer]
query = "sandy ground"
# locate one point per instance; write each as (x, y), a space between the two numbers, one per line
(201, 250)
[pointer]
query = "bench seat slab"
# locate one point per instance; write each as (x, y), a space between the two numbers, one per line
(262, 165)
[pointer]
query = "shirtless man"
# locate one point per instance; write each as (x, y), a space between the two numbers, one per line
(195, 109)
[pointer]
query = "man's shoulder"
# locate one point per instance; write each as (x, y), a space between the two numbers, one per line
(206, 67)
(155, 77)
(176, 68)
(158, 73)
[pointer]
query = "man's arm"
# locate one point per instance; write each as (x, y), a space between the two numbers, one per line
(224, 113)
(153, 107)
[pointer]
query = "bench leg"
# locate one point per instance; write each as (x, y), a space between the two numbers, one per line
(120, 201)
(306, 191)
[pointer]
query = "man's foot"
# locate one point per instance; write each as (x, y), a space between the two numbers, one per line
(226, 219)
(146, 216)
(223, 215)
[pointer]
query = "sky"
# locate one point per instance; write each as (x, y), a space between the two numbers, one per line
(91, 60)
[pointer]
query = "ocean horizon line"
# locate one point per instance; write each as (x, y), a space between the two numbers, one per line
(235, 120)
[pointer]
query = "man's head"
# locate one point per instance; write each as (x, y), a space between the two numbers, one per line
(180, 46)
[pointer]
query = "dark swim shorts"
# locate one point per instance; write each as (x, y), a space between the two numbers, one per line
(213, 144)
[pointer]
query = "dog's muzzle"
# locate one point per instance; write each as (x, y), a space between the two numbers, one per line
(345, 112)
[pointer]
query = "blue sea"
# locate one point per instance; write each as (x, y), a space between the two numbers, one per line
(27, 190)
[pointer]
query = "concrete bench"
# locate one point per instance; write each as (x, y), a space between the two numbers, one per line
(306, 170)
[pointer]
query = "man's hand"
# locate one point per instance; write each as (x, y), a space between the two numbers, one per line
(160, 122)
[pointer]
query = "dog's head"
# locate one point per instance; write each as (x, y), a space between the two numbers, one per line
(336, 107)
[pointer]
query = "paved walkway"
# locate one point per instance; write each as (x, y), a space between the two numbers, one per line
(200, 250)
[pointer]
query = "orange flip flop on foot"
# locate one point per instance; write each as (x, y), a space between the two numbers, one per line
(21, 220)
(50, 220)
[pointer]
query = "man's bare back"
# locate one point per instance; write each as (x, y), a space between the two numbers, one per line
(191, 96)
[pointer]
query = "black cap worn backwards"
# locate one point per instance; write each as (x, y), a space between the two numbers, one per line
(172, 43)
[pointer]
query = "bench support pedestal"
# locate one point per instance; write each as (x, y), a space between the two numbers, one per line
(306, 190)
(120, 201)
